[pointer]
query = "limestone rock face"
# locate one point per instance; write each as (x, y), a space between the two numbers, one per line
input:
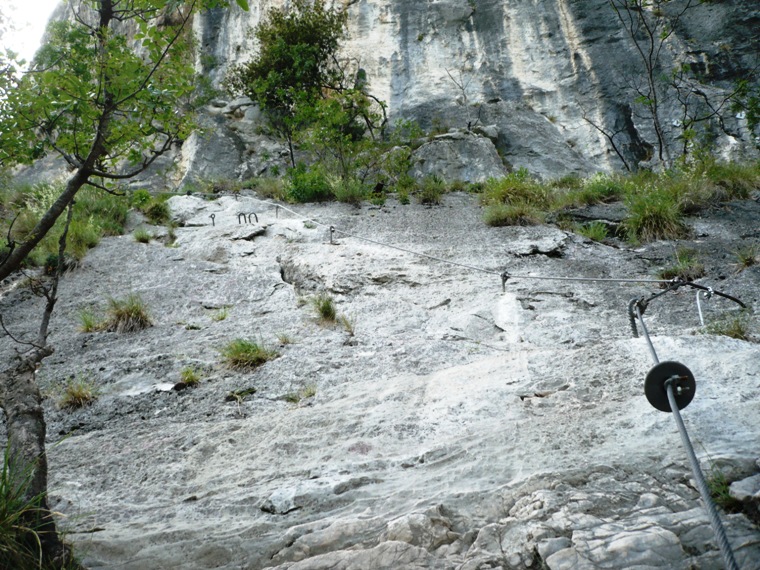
(458, 156)
(541, 72)
(447, 423)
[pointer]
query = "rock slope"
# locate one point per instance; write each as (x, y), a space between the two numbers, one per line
(445, 423)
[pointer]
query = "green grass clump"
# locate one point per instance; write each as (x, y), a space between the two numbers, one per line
(349, 191)
(654, 213)
(78, 393)
(304, 393)
(21, 518)
(142, 235)
(596, 231)
(517, 187)
(516, 199)
(597, 189)
(88, 321)
(158, 213)
(431, 190)
(243, 354)
(735, 180)
(308, 185)
(687, 266)
(514, 214)
(96, 214)
(271, 187)
(719, 487)
(734, 327)
(747, 256)
(127, 315)
(324, 307)
(189, 376)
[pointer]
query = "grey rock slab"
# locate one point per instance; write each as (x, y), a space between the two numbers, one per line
(455, 410)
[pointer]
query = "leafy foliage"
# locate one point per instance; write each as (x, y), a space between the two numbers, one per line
(295, 63)
(107, 108)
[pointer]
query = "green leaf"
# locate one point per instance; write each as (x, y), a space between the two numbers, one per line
(243, 4)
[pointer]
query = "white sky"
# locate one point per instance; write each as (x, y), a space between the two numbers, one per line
(29, 18)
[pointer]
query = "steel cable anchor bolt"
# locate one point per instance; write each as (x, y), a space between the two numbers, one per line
(672, 375)
(504, 279)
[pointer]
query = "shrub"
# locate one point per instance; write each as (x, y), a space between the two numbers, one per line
(52, 261)
(189, 376)
(142, 235)
(596, 231)
(20, 518)
(95, 214)
(139, 199)
(686, 267)
(308, 185)
(78, 393)
(653, 214)
(157, 212)
(431, 190)
(127, 315)
(349, 191)
(245, 355)
(324, 306)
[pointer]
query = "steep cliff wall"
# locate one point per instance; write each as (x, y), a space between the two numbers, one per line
(539, 70)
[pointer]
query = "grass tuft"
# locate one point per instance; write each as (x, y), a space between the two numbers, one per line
(654, 213)
(21, 516)
(515, 214)
(431, 190)
(243, 354)
(142, 235)
(127, 315)
(596, 231)
(324, 307)
(687, 266)
(719, 487)
(78, 393)
(189, 376)
(734, 327)
(746, 256)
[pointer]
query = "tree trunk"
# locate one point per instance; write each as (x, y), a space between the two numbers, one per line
(25, 423)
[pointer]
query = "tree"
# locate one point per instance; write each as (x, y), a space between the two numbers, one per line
(295, 66)
(109, 104)
(650, 24)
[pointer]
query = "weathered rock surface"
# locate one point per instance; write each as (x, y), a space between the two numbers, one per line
(541, 72)
(456, 426)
